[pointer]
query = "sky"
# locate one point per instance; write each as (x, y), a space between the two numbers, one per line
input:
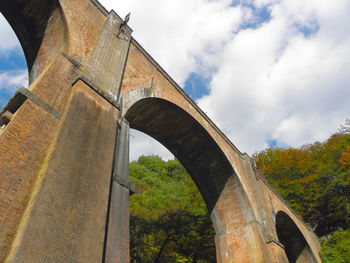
(269, 73)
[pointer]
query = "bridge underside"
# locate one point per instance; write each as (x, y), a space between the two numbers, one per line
(295, 245)
(187, 140)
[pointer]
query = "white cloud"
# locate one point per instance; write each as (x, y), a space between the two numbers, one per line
(142, 144)
(183, 36)
(13, 79)
(276, 83)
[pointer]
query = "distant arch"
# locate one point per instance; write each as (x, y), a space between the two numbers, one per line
(190, 143)
(295, 245)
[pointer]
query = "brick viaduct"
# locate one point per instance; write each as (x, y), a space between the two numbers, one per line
(64, 186)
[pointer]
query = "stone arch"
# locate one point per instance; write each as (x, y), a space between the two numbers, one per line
(39, 25)
(295, 245)
(192, 145)
(237, 230)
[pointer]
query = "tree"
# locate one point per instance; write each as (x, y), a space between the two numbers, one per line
(169, 220)
(335, 249)
(345, 129)
(314, 179)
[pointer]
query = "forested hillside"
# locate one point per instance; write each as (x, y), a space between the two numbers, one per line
(170, 223)
(315, 180)
(168, 218)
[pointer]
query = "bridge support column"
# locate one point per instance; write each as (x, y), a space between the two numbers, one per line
(238, 233)
(306, 256)
(277, 252)
(65, 219)
(117, 247)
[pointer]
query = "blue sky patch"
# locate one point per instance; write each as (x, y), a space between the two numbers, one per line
(259, 16)
(196, 86)
(4, 97)
(12, 60)
(308, 30)
(272, 142)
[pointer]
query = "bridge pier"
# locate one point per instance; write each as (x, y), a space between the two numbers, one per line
(117, 246)
(65, 218)
(277, 252)
(238, 233)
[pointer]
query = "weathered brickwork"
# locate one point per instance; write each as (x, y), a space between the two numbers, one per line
(23, 145)
(73, 186)
(59, 196)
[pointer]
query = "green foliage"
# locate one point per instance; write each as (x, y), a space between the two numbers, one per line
(169, 220)
(336, 249)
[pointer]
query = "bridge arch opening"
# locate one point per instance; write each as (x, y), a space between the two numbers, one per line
(206, 163)
(191, 144)
(38, 24)
(169, 220)
(13, 67)
(187, 140)
(295, 245)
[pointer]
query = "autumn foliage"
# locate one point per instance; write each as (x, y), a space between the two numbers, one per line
(315, 180)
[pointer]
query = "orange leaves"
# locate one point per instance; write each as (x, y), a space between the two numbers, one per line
(345, 158)
(314, 179)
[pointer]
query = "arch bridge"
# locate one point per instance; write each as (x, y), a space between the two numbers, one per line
(64, 183)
